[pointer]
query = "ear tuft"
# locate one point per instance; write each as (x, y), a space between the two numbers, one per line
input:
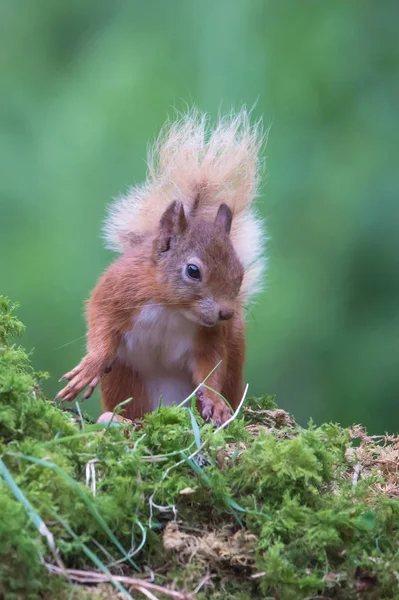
(173, 222)
(224, 218)
(195, 205)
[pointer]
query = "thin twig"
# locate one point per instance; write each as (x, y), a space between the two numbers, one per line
(204, 581)
(137, 584)
(147, 593)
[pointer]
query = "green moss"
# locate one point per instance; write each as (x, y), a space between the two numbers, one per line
(305, 529)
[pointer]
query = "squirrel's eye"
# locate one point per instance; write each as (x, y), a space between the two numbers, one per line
(193, 272)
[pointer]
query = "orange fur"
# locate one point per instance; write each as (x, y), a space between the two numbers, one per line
(170, 309)
(121, 384)
(117, 298)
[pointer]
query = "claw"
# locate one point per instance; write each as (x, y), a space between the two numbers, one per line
(92, 386)
(86, 373)
(212, 410)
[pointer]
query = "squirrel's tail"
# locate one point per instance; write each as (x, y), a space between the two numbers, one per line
(202, 167)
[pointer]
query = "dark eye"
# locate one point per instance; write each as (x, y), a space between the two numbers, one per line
(193, 272)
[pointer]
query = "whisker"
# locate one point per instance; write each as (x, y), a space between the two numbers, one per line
(71, 342)
(151, 304)
(143, 305)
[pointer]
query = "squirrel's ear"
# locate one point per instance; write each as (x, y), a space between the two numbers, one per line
(224, 218)
(173, 222)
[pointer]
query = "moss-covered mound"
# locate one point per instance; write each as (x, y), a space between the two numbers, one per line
(171, 508)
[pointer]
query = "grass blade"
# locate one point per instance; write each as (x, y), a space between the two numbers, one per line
(192, 395)
(92, 508)
(196, 429)
(94, 558)
(30, 511)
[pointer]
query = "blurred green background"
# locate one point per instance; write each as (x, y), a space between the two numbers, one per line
(85, 86)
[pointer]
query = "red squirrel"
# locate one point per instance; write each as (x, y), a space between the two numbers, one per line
(167, 317)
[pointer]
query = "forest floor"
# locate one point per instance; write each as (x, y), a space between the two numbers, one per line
(171, 507)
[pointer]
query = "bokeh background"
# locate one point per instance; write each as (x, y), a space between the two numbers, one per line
(85, 85)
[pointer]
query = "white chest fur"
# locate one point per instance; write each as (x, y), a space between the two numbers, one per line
(160, 347)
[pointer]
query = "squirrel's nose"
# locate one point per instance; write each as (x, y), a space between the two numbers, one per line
(225, 315)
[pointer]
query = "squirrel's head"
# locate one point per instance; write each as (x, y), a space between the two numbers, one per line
(197, 266)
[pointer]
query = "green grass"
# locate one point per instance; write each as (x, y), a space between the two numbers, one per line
(264, 508)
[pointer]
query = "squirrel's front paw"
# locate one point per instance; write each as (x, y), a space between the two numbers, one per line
(215, 410)
(86, 374)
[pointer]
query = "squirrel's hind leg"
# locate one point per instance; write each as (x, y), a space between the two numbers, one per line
(121, 383)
